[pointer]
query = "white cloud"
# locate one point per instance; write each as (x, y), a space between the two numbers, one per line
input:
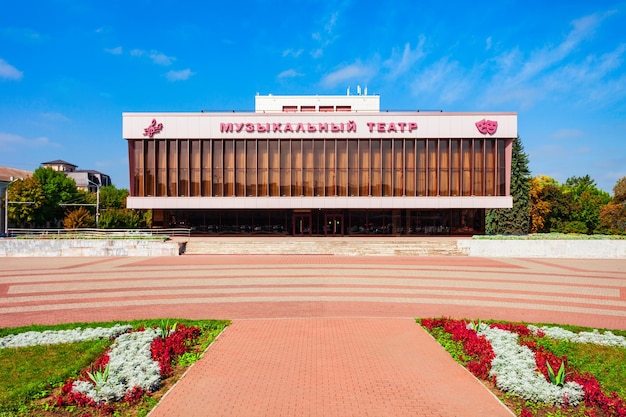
(9, 72)
(326, 36)
(317, 53)
(446, 80)
(155, 56)
(9, 141)
(292, 52)
(55, 117)
(560, 69)
(290, 73)
(355, 72)
(401, 63)
(25, 35)
(114, 51)
(567, 133)
(179, 75)
(160, 58)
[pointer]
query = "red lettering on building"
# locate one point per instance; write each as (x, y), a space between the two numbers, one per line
(350, 126)
(336, 128)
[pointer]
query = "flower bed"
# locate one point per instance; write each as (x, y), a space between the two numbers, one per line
(512, 359)
(126, 374)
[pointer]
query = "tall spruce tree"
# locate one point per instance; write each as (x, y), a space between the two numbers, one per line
(516, 220)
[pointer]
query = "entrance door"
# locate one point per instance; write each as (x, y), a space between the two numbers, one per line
(302, 224)
(333, 224)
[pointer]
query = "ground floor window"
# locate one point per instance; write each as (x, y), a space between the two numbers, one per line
(325, 222)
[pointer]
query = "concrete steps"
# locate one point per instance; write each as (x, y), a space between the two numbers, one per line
(323, 246)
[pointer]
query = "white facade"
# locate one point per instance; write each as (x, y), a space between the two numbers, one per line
(416, 125)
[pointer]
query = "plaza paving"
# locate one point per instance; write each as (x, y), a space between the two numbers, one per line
(318, 335)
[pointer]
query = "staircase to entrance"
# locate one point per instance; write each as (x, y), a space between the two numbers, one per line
(344, 246)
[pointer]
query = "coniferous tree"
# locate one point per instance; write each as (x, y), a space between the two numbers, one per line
(516, 220)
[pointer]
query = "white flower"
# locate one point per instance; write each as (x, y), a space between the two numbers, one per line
(130, 365)
(515, 369)
(607, 338)
(51, 337)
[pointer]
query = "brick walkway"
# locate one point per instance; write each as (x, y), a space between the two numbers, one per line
(318, 335)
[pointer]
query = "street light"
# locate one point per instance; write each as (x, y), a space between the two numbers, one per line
(97, 201)
(6, 205)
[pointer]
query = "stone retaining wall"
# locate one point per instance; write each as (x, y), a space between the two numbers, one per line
(88, 247)
(584, 249)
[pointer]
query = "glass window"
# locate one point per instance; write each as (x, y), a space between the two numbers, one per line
(150, 168)
(161, 168)
(490, 166)
(285, 167)
(466, 161)
(455, 167)
(330, 167)
(206, 168)
(319, 166)
(342, 167)
(409, 170)
(364, 168)
(421, 167)
(398, 168)
(296, 168)
(218, 168)
(501, 167)
(262, 168)
(183, 168)
(432, 167)
(194, 158)
(353, 168)
(444, 167)
(479, 166)
(274, 168)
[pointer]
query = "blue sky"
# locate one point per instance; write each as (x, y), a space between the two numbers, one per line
(69, 68)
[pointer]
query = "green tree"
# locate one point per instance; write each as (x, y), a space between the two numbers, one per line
(613, 218)
(112, 197)
(26, 197)
(516, 220)
(79, 218)
(58, 189)
(588, 201)
(123, 219)
(619, 191)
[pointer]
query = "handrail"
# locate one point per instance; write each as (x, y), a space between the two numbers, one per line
(101, 233)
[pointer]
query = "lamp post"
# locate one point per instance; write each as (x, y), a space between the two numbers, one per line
(6, 206)
(97, 202)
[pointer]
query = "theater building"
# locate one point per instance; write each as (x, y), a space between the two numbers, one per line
(320, 165)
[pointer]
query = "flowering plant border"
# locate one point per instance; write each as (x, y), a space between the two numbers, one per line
(135, 363)
(526, 354)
